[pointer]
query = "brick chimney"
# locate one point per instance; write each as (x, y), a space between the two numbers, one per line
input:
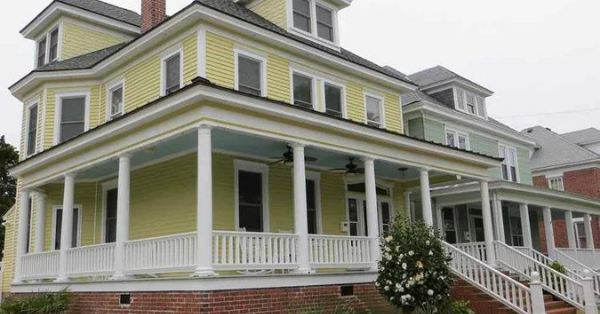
(153, 12)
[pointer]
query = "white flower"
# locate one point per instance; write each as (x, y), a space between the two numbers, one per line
(430, 292)
(427, 242)
(387, 249)
(377, 284)
(386, 288)
(430, 253)
(389, 238)
(404, 266)
(388, 256)
(411, 253)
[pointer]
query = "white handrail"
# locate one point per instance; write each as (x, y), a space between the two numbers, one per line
(565, 288)
(475, 249)
(576, 267)
(91, 260)
(588, 257)
(494, 283)
(42, 265)
(339, 251)
(162, 254)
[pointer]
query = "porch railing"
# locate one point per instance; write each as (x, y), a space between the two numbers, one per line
(161, 254)
(40, 265)
(339, 251)
(574, 266)
(91, 260)
(475, 249)
(588, 257)
(247, 250)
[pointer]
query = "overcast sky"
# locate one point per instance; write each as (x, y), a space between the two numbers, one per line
(540, 57)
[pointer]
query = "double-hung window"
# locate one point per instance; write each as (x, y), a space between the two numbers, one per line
(509, 165)
(172, 79)
(471, 106)
(457, 139)
(71, 114)
(53, 52)
(41, 52)
(251, 196)
(47, 48)
(250, 74)
(374, 110)
(303, 90)
(58, 213)
(333, 99)
(470, 103)
(116, 101)
(315, 18)
(32, 119)
(324, 23)
(302, 15)
(556, 183)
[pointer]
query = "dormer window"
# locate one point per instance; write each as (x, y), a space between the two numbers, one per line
(47, 48)
(315, 19)
(41, 56)
(53, 45)
(470, 103)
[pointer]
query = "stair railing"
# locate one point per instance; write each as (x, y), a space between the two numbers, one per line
(563, 287)
(499, 286)
(576, 267)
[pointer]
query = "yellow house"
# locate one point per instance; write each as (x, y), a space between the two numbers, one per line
(233, 146)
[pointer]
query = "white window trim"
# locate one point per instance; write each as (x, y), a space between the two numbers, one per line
(314, 86)
(256, 57)
(313, 34)
(456, 135)
(109, 90)
(324, 81)
(381, 107)
(577, 235)
(457, 93)
(163, 68)
(37, 129)
(106, 186)
(506, 149)
(356, 179)
(58, 112)
(316, 176)
(562, 182)
(47, 36)
(263, 169)
(79, 217)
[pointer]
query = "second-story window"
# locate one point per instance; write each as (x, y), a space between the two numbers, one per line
(72, 117)
(250, 74)
(41, 55)
(303, 91)
(53, 52)
(324, 23)
(302, 15)
(509, 165)
(333, 100)
(32, 116)
(374, 109)
(457, 139)
(556, 183)
(116, 97)
(172, 80)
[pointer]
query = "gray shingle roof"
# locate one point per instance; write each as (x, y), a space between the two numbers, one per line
(106, 9)
(583, 136)
(438, 74)
(555, 150)
(85, 61)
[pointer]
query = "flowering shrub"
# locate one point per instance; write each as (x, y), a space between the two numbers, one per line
(414, 271)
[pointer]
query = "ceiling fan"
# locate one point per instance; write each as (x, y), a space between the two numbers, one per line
(350, 168)
(288, 156)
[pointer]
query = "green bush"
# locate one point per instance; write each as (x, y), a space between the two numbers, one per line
(558, 267)
(42, 303)
(460, 307)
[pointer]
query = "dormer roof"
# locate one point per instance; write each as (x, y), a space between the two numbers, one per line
(582, 137)
(439, 75)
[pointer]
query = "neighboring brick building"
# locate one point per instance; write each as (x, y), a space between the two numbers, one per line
(569, 162)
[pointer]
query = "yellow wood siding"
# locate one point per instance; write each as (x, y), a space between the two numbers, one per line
(393, 114)
(78, 40)
(9, 251)
(272, 10)
(219, 60)
(278, 74)
(355, 107)
(190, 58)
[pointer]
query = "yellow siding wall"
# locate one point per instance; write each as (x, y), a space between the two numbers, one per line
(219, 60)
(79, 40)
(10, 241)
(272, 10)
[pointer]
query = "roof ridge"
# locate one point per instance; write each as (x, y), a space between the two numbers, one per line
(107, 3)
(564, 140)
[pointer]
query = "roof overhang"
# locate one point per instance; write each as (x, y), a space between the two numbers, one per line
(577, 165)
(460, 82)
(190, 16)
(57, 9)
(519, 193)
(447, 114)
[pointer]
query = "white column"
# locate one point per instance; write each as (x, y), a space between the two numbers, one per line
(372, 216)
(570, 230)
(123, 196)
(488, 231)
(407, 205)
(24, 211)
(40, 222)
(589, 297)
(440, 220)
(549, 232)
(66, 234)
(589, 235)
(537, 294)
(204, 216)
(426, 198)
(300, 209)
(525, 225)
(498, 214)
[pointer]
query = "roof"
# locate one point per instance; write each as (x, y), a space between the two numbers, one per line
(583, 136)
(438, 74)
(555, 150)
(225, 6)
(106, 9)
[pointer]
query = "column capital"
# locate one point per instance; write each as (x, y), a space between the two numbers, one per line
(297, 145)
(72, 175)
(424, 171)
(40, 194)
(127, 155)
(368, 159)
(204, 129)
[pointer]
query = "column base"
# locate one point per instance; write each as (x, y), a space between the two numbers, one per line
(304, 271)
(204, 272)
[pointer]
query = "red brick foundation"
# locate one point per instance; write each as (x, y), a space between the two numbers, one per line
(271, 301)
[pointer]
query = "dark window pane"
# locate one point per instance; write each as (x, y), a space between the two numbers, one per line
(324, 23)
(28, 217)
(41, 53)
(71, 130)
(504, 172)
(54, 45)
(32, 130)
(333, 100)
(249, 79)
(116, 101)
(302, 91)
(385, 213)
(361, 188)
(352, 210)
(250, 201)
(513, 173)
(59, 228)
(325, 32)
(311, 202)
(373, 111)
(173, 73)
(365, 218)
(111, 216)
(73, 109)
(302, 15)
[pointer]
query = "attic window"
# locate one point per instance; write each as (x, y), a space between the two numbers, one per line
(47, 48)
(314, 18)
(470, 103)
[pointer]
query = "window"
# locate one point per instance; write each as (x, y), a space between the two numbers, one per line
(303, 91)
(374, 111)
(302, 15)
(385, 214)
(470, 103)
(251, 196)
(457, 139)
(172, 73)
(250, 74)
(29, 217)
(58, 227)
(41, 55)
(53, 54)
(333, 100)
(516, 231)
(509, 165)
(311, 202)
(32, 119)
(471, 106)
(116, 104)
(556, 183)
(72, 117)
(580, 233)
(110, 223)
(449, 225)
(324, 23)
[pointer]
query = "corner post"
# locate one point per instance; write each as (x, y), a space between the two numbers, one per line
(525, 225)
(426, 198)
(537, 294)
(372, 212)
(549, 232)
(123, 196)
(570, 229)
(589, 298)
(589, 235)
(40, 222)
(300, 209)
(66, 232)
(22, 234)
(488, 231)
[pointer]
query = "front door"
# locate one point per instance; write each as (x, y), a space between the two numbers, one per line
(357, 216)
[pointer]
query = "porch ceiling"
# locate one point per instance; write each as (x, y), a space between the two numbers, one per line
(243, 145)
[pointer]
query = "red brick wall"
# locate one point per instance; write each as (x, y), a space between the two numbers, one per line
(153, 13)
(540, 181)
(584, 182)
(256, 301)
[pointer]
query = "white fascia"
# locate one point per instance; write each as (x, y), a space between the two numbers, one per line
(468, 85)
